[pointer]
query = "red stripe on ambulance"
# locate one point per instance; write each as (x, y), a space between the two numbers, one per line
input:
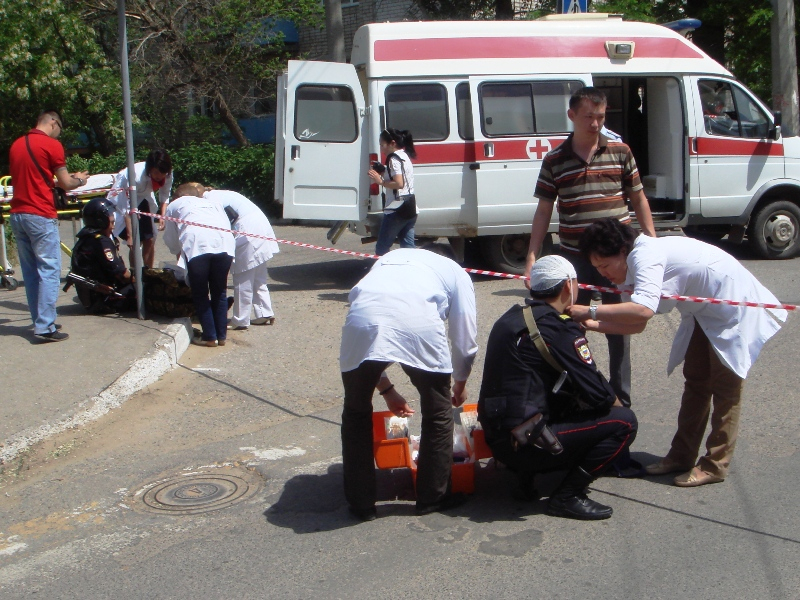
(523, 47)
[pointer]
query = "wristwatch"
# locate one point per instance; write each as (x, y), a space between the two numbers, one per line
(593, 312)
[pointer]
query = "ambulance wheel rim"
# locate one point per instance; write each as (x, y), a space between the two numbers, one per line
(780, 230)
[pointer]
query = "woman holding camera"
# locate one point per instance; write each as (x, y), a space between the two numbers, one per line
(399, 213)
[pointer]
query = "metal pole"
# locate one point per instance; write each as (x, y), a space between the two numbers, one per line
(126, 109)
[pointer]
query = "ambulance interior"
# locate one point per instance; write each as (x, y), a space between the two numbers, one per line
(648, 112)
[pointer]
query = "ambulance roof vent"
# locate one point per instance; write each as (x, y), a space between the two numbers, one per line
(620, 49)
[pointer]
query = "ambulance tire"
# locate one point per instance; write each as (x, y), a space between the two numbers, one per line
(775, 230)
(506, 253)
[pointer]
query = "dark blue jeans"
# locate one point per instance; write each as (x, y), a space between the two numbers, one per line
(208, 279)
(393, 228)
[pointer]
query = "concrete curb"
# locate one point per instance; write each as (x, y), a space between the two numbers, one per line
(144, 371)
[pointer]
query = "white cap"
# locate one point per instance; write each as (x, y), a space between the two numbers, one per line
(549, 271)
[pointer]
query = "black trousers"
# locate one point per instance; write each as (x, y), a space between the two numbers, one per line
(619, 346)
(208, 280)
(436, 443)
(591, 444)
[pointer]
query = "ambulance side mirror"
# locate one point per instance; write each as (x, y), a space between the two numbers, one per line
(775, 134)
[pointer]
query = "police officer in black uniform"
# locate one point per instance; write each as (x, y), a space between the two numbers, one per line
(95, 257)
(583, 413)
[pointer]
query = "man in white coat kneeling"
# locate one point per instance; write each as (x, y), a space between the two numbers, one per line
(250, 263)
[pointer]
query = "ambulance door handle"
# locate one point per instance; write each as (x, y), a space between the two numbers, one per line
(295, 152)
(694, 145)
(488, 149)
(474, 166)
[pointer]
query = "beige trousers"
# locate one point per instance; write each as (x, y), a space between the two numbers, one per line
(708, 381)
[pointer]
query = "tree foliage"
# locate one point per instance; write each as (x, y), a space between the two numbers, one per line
(49, 58)
(225, 50)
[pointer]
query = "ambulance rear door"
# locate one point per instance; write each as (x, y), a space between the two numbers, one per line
(324, 152)
(517, 119)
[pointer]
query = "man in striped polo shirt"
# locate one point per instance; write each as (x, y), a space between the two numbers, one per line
(591, 176)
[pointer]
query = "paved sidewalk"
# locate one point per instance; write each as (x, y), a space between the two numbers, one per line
(49, 387)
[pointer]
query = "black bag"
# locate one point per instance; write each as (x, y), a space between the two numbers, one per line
(59, 195)
(408, 209)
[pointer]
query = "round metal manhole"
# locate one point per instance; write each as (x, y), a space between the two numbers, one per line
(199, 492)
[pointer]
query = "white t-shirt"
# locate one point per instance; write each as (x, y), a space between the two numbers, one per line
(686, 267)
(397, 314)
(400, 165)
(191, 240)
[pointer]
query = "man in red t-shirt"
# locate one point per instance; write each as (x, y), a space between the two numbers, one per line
(34, 160)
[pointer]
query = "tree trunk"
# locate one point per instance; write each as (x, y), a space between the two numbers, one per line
(230, 121)
(334, 31)
(504, 10)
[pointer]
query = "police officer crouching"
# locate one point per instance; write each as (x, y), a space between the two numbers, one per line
(543, 404)
(107, 287)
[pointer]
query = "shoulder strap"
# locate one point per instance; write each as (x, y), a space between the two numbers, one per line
(50, 184)
(402, 168)
(537, 340)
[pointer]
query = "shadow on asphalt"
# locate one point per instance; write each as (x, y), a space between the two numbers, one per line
(328, 275)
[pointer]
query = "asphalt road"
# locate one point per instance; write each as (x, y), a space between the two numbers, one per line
(82, 516)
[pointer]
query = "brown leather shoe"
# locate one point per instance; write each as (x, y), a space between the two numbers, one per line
(666, 465)
(697, 477)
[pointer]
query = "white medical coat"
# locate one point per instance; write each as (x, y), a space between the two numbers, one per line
(397, 314)
(119, 195)
(191, 240)
(687, 267)
(250, 251)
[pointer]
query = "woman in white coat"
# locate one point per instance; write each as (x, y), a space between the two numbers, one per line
(717, 343)
(208, 254)
(153, 175)
(250, 264)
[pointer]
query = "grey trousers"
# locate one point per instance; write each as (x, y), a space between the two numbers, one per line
(436, 443)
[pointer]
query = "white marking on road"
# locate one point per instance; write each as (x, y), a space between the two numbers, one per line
(273, 453)
(12, 548)
(210, 369)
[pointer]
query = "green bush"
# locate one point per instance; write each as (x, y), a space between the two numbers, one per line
(249, 171)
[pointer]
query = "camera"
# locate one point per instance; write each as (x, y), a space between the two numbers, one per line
(376, 166)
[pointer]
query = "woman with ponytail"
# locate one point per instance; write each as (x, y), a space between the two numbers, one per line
(400, 209)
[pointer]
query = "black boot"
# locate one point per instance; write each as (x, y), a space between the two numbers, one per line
(570, 500)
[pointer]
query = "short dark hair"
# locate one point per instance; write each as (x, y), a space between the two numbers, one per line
(607, 237)
(441, 249)
(158, 159)
(549, 293)
(592, 94)
(51, 113)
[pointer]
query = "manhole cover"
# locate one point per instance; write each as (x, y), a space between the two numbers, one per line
(199, 492)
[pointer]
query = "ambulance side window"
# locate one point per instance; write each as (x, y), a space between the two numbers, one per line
(506, 109)
(325, 113)
(420, 108)
(526, 108)
(729, 111)
(464, 112)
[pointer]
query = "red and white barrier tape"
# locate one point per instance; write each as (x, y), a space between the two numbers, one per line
(585, 286)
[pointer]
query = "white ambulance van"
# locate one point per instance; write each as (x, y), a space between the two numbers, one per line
(485, 101)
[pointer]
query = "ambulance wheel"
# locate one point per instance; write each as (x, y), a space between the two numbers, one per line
(775, 230)
(506, 253)
(10, 283)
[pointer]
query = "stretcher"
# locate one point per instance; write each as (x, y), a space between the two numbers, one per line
(96, 185)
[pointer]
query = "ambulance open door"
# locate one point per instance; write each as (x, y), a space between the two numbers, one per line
(323, 150)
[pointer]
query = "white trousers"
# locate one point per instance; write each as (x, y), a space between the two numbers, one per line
(250, 290)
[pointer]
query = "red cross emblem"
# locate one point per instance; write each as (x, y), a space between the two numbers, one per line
(538, 148)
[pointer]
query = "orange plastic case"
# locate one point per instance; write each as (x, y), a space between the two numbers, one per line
(396, 453)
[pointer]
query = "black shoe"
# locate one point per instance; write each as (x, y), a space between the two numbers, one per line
(364, 514)
(570, 500)
(53, 336)
(446, 503)
(578, 507)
